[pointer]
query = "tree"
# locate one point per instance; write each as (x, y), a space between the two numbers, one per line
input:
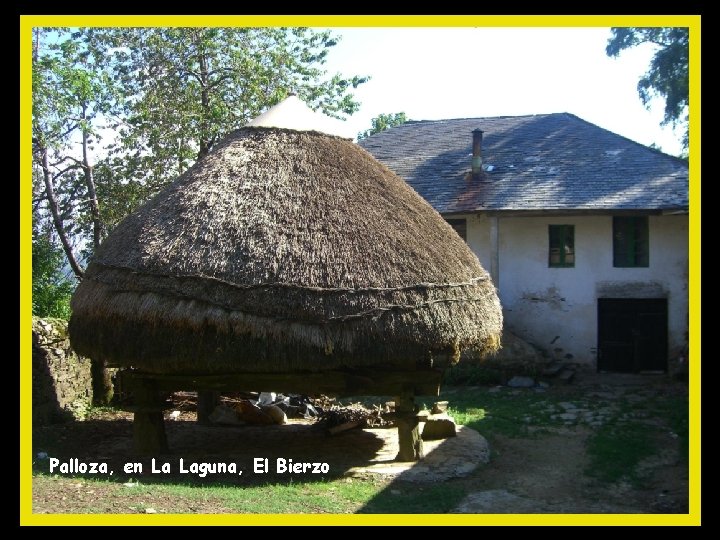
(186, 88)
(162, 97)
(383, 122)
(667, 75)
(51, 289)
(69, 94)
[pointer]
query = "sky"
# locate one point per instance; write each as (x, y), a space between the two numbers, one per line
(436, 73)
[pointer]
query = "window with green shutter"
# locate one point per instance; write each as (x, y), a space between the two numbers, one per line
(562, 246)
(630, 242)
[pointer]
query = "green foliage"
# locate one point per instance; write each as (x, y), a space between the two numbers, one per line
(66, 81)
(71, 96)
(149, 102)
(383, 122)
(667, 76)
(51, 290)
(186, 88)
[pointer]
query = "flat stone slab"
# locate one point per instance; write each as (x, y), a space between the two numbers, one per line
(444, 459)
(521, 382)
(438, 426)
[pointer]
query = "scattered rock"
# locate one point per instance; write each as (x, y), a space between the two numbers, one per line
(567, 375)
(552, 370)
(439, 426)
(519, 381)
(439, 407)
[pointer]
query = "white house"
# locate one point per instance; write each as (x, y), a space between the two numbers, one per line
(584, 232)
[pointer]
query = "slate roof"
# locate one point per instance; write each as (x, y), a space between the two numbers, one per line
(538, 163)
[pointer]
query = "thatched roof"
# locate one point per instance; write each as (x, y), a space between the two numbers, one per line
(283, 250)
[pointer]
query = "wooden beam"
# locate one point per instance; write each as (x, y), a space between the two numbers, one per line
(207, 400)
(334, 383)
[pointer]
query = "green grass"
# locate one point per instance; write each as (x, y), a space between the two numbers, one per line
(414, 499)
(631, 436)
(675, 411)
(524, 414)
(616, 450)
(319, 497)
(342, 496)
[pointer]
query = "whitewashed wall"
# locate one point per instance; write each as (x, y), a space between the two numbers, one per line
(556, 308)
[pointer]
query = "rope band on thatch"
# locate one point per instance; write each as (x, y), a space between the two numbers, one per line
(408, 307)
(280, 285)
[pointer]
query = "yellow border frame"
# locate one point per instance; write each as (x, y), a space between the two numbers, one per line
(27, 22)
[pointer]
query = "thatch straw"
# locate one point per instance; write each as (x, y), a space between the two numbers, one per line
(283, 251)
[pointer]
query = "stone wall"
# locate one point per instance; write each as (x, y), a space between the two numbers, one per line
(61, 383)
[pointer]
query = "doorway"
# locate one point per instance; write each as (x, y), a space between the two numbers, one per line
(632, 334)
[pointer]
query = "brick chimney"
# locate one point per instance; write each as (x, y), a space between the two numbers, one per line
(477, 153)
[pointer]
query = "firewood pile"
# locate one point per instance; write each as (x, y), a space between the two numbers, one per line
(266, 408)
(337, 418)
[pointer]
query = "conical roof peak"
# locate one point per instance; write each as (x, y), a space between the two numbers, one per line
(292, 113)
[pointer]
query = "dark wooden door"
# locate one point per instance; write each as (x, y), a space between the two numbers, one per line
(632, 334)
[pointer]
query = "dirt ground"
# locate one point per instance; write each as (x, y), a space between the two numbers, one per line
(545, 473)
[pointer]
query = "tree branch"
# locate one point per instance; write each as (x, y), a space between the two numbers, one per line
(57, 219)
(90, 182)
(66, 169)
(77, 161)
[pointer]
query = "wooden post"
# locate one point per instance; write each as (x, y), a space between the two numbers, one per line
(207, 400)
(148, 424)
(411, 444)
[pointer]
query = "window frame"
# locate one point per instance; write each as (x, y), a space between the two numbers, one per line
(562, 231)
(637, 247)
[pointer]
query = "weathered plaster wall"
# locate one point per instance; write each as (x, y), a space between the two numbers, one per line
(556, 308)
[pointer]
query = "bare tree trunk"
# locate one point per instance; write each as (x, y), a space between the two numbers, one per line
(101, 381)
(205, 104)
(57, 219)
(90, 182)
